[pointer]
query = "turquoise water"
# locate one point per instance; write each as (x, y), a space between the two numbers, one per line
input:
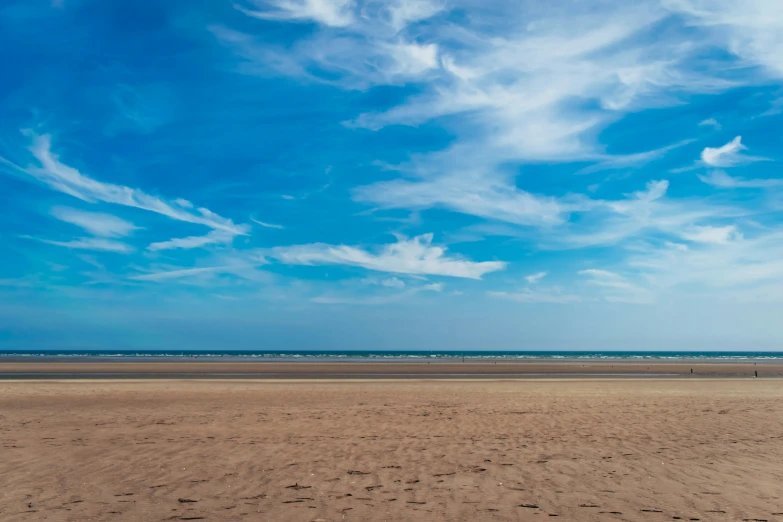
(391, 355)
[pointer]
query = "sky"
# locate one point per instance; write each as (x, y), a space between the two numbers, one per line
(391, 175)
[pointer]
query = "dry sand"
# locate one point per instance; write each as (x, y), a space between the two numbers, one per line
(603, 449)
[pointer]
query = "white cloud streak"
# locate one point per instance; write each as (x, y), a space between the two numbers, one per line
(90, 243)
(720, 179)
(378, 299)
(535, 278)
(538, 296)
(711, 122)
(214, 237)
(630, 161)
(358, 44)
(740, 265)
(470, 193)
(393, 282)
(179, 274)
(708, 234)
(333, 13)
(408, 256)
(649, 211)
(617, 288)
(402, 13)
(68, 180)
(728, 155)
(752, 30)
(600, 221)
(267, 225)
(96, 223)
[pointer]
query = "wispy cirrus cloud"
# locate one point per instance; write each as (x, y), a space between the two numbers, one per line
(357, 44)
(508, 95)
(717, 262)
(512, 95)
(267, 225)
(630, 161)
(96, 223)
(393, 282)
(66, 179)
(711, 122)
(388, 282)
(710, 234)
(535, 278)
(738, 266)
(552, 296)
(475, 193)
(90, 243)
(570, 222)
(378, 299)
(727, 155)
(166, 275)
(510, 98)
(638, 214)
(408, 256)
(617, 288)
(333, 13)
(751, 30)
(719, 179)
(213, 238)
(402, 13)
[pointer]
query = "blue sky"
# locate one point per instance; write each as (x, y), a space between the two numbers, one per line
(405, 174)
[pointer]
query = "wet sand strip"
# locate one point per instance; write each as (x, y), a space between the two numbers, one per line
(529, 369)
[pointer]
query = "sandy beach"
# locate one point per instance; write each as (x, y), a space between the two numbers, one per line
(578, 449)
